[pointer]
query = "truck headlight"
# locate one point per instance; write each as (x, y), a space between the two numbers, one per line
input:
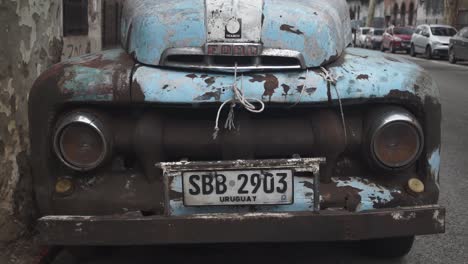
(396, 138)
(80, 141)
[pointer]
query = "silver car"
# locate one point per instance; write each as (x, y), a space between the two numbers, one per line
(361, 36)
(374, 38)
(432, 40)
(458, 48)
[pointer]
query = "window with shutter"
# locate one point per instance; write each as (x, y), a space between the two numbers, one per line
(75, 17)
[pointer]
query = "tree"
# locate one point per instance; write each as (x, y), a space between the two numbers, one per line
(451, 8)
(370, 15)
(30, 41)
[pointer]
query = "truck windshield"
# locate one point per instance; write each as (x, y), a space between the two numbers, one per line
(443, 31)
(365, 31)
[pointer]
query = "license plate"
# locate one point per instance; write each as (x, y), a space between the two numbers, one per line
(246, 187)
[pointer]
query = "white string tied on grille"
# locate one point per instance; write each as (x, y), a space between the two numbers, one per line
(331, 81)
(304, 87)
(238, 97)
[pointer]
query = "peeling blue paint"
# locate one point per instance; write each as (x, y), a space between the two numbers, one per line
(434, 164)
(319, 30)
(79, 79)
(303, 201)
(315, 28)
(95, 77)
(370, 193)
(158, 25)
(362, 74)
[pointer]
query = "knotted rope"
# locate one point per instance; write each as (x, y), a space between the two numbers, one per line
(240, 98)
(331, 81)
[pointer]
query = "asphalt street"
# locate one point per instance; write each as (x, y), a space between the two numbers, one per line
(450, 247)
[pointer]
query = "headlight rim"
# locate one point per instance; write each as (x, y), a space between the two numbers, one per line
(90, 119)
(390, 116)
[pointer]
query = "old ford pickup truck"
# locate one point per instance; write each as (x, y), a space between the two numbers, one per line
(236, 121)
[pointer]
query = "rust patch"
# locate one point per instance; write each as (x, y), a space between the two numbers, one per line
(137, 93)
(290, 29)
(346, 197)
(271, 83)
(191, 76)
(362, 77)
(93, 61)
(286, 89)
(309, 90)
(209, 95)
(210, 81)
(333, 59)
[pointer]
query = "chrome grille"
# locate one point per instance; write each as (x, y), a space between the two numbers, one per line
(269, 59)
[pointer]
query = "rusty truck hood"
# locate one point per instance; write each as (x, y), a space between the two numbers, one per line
(318, 30)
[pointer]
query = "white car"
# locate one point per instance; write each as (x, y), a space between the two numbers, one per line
(373, 38)
(361, 34)
(432, 40)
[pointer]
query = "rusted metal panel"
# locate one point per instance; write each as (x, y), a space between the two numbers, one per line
(243, 227)
(101, 77)
(320, 30)
(151, 27)
(356, 194)
(360, 74)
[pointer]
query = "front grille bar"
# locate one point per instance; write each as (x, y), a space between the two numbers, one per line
(269, 59)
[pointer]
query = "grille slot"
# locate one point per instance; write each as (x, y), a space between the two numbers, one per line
(186, 59)
(230, 61)
(274, 60)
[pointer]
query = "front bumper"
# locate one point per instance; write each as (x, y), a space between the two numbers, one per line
(440, 50)
(404, 45)
(325, 225)
(330, 209)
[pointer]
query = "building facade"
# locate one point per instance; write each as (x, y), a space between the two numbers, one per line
(89, 26)
(409, 12)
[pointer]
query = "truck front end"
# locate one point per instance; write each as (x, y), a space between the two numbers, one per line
(235, 121)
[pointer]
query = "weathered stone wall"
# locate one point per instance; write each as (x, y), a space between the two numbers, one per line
(30, 41)
(361, 10)
(78, 45)
(431, 12)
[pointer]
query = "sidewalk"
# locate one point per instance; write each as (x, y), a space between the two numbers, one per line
(23, 251)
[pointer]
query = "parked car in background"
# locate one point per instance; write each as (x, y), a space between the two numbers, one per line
(458, 47)
(361, 36)
(374, 38)
(431, 40)
(397, 39)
